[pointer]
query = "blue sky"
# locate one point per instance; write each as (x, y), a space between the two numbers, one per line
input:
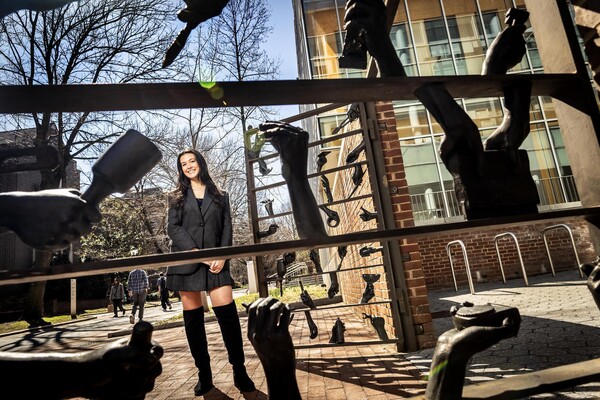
(281, 44)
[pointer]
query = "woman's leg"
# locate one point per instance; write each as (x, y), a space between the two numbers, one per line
(229, 322)
(193, 319)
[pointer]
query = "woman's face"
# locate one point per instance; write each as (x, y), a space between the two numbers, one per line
(189, 165)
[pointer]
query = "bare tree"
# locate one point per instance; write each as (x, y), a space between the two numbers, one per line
(234, 46)
(114, 41)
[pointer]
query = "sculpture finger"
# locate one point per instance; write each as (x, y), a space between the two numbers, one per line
(262, 317)
(285, 318)
(273, 319)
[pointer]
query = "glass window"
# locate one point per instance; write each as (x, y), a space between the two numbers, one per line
(404, 48)
(486, 113)
(548, 105)
(411, 121)
(327, 125)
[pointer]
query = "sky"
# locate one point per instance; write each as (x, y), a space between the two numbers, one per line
(281, 44)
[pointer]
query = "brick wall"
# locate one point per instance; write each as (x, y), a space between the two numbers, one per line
(483, 259)
(398, 187)
(352, 284)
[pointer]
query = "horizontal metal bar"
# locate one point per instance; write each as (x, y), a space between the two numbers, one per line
(536, 382)
(358, 343)
(267, 217)
(341, 306)
(312, 113)
(314, 175)
(334, 203)
(156, 96)
(315, 143)
(333, 272)
(64, 271)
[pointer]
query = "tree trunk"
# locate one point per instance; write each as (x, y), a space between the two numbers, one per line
(33, 311)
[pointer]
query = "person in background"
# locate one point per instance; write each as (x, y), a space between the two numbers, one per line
(199, 217)
(117, 295)
(163, 292)
(137, 284)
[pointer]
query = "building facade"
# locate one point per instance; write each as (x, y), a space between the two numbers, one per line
(435, 38)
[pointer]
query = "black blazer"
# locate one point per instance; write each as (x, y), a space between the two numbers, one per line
(189, 227)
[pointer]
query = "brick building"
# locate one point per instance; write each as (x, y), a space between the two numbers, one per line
(432, 38)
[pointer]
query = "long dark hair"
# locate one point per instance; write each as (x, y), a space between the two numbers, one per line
(184, 183)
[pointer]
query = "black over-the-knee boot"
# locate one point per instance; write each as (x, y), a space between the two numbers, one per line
(196, 337)
(229, 322)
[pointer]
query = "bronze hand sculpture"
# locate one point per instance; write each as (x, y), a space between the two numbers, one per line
(195, 12)
(292, 144)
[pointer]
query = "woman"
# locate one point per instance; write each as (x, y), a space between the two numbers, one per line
(117, 295)
(199, 217)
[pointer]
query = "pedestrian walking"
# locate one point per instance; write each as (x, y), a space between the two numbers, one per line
(137, 284)
(117, 295)
(163, 292)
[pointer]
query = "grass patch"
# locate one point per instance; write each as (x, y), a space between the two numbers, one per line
(57, 319)
(290, 295)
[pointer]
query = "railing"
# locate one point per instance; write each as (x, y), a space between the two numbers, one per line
(557, 190)
(431, 206)
(440, 206)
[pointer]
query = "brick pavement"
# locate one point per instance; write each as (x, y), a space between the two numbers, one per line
(560, 325)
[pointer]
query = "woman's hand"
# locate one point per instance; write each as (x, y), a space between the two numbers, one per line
(216, 266)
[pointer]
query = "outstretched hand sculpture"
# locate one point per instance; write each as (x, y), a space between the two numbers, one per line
(369, 291)
(337, 332)
(268, 331)
(195, 12)
(270, 231)
(505, 52)
(123, 369)
(292, 144)
(485, 183)
(476, 328)
(305, 297)
(592, 271)
(48, 219)
(378, 324)
(52, 219)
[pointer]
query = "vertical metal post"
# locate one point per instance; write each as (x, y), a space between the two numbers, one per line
(392, 256)
(73, 287)
(263, 290)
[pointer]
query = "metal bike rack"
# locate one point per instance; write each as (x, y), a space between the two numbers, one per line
(468, 268)
(549, 228)
(512, 235)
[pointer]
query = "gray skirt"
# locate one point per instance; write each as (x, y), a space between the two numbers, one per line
(200, 280)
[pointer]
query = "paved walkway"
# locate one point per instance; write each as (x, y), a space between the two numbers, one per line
(560, 325)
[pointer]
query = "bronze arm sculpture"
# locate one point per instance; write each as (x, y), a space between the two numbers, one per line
(292, 144)
(48, 219)
(476, 328)
(10, 6)
(195, 12)
(268, 331)
(486, 184)
(123, 369)
(592, 271)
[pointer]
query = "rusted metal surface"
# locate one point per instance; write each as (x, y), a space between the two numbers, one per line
(544, 381)
(170, 259)
(153, 96)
